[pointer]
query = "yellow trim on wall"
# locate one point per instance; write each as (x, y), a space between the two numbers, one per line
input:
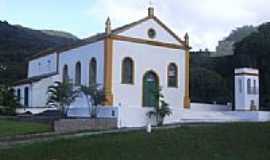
(149, 42)
(246, 74)
(108, 53)
(187, 74)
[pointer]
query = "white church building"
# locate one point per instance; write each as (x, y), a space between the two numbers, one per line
(129, 62)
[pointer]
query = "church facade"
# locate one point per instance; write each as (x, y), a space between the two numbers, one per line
(128, 62)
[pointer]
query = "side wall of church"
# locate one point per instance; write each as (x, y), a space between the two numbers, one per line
(39, 91)
(42, 65)
(146, 58)
(83, 54)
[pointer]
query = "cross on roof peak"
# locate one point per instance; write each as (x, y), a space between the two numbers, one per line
(151, 4)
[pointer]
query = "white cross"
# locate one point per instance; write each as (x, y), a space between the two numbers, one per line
(150, 3)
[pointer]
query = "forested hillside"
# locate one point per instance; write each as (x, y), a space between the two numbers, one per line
(212, 78)
(18, 43)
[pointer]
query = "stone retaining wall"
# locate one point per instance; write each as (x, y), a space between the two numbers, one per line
(73, 125)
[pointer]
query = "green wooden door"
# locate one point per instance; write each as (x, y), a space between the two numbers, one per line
(150, 86)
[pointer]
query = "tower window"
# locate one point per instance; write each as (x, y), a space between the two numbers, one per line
(78, 74)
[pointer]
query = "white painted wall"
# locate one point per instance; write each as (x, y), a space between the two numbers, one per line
(84, 54)
(141, 31)
(39, 90)
(146, 58)
(34, 110)
(43, 65)
(209, 107)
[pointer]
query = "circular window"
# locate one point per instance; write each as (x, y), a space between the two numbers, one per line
(152, 33)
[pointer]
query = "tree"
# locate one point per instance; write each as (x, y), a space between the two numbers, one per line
(8, 100)
(160, 111)
(208, 86)
(61, 95)
(95, 96)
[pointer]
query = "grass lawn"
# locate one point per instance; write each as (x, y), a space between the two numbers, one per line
(12, 128)
(223, 142)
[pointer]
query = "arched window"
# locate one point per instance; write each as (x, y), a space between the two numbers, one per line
(240, 85)
(18, 94)
(78, 74)
(26, 96)
(249, 86)
(65, 73)
(127, 71)
(92, 72)
(172, 75)
(254, 87)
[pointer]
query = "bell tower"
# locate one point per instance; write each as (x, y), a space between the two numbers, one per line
(246, 90)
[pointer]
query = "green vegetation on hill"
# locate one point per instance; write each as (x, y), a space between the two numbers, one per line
(18, 43)
(251, 51)
(211, 79)
(222, 142)
(60, 34)
(226, 46)
(254, 51)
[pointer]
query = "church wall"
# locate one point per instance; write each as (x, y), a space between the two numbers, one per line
(40, 91)
(43, 65)
(146, 58)
(83, 54)
(141, 31)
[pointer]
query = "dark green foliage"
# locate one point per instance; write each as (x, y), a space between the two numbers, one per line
(211, 79)
(17, 44)
(208, 86)
(254, 51)
(240, 33)
(8, 101)
(220, 142)
(162, 110)
(61, 95)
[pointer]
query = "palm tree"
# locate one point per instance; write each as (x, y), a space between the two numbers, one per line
(95, 96)
(161, 110)
(61, 95)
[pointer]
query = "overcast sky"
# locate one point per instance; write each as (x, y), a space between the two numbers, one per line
(207, 21)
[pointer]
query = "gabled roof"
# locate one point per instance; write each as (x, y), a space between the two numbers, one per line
(101, 36)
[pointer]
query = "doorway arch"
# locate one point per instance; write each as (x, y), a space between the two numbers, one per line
(150, 87)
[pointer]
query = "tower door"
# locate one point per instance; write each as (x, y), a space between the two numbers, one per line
(150, 87)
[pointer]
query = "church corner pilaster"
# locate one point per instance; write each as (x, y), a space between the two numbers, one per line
(187, 74)
(108, 53)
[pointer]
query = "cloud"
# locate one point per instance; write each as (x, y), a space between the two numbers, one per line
(207, 21)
